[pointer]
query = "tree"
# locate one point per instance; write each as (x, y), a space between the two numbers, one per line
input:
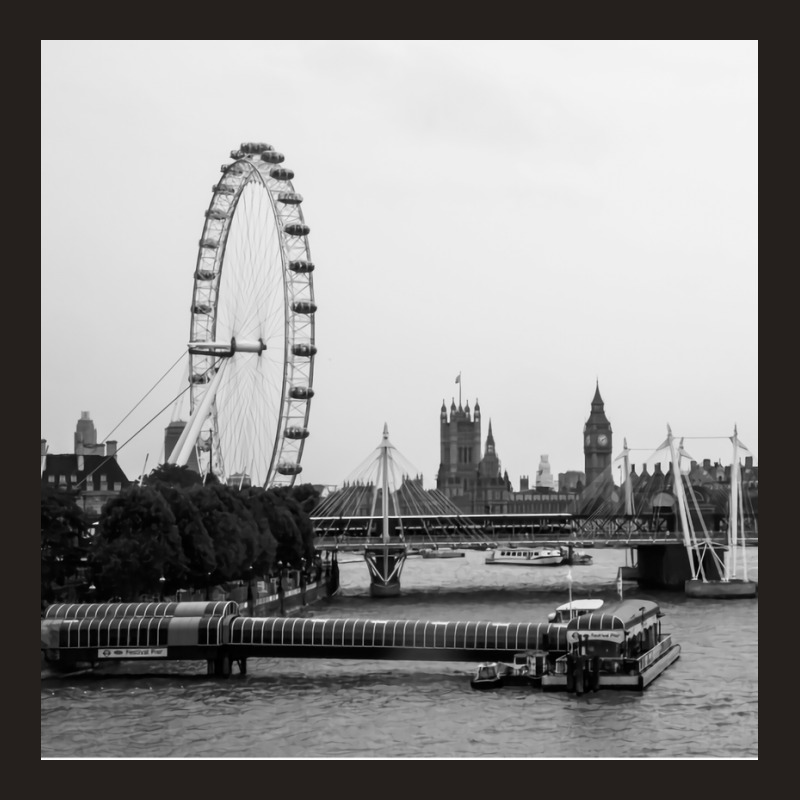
(65, 543)
(303, 528)
(306, 494)
(198, 546)
(232, 529)
(261, 508)
(137, 544)
(283, 516)
(173, 475)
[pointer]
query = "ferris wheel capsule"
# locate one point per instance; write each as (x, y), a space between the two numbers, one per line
(297, 229)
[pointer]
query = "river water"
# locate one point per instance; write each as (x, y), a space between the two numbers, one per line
(704, 706)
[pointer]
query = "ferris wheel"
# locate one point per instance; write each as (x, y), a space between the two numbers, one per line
(251, 342)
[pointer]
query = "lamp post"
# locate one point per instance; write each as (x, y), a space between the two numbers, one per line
(161, 581)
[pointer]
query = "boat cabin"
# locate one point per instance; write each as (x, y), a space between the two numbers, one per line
(564, 613)
(625, 629)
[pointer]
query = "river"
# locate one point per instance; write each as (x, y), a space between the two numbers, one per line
(704, 706)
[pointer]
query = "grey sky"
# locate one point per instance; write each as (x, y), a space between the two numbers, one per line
(534, 215)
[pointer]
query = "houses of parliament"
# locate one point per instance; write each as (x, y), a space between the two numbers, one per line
(475, 483)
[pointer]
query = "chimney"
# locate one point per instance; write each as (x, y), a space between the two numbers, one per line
(111, 449)
(748, 461)
(523, 483)
(44, 448)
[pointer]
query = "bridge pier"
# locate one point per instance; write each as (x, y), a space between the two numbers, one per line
(666, 566)
(385, 563)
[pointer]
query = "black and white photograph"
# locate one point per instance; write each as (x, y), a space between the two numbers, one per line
(399, 400)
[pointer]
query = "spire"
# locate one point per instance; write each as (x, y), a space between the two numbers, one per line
(443, 414)
(490, 439)
(477, 409)
(598, 414)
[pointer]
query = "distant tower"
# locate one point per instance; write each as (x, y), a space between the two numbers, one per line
(493, 489)
(544, 478)
(172, 433)
(489, 466)
(460, 449)
(86, 437)
(597, 444)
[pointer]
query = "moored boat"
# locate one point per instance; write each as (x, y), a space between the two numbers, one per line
(527, 557)
(573, 556)
(438, 553)
(526, 669)
(489, 675)
(621, 646)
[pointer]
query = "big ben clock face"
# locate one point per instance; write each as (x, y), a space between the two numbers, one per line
(602, 440)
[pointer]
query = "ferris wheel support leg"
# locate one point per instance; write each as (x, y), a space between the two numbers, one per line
(185, 446)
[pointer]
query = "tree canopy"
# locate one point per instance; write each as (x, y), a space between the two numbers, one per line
(175, 532)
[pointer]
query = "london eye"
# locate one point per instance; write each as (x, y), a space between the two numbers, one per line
(251, 341)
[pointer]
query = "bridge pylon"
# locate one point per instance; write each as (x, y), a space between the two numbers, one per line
(385, 563)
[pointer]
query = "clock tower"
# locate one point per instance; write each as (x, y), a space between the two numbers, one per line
(597, 445)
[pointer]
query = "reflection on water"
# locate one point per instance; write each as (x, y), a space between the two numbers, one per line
(705, 705)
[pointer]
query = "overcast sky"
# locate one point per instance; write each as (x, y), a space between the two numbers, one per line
(537, 216)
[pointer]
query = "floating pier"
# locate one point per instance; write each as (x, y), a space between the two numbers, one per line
(619, 647)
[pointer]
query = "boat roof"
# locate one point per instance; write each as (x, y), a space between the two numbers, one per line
(588, 604)
(616, 615)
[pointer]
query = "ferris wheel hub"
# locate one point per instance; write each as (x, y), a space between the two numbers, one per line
(227, 349)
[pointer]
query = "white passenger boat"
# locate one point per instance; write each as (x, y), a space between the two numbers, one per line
(527, 557)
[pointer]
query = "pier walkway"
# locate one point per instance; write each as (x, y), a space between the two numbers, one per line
(81, 634)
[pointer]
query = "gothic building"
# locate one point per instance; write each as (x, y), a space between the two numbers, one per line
(474, 483)
(460, 449)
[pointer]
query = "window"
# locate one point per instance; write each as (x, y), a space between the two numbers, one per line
(51, 479)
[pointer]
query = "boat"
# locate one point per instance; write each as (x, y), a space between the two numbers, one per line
(526, 669)
(718, 571)
(429, 552)
(575, 557)
(488, 675)
(527, 557)
(621, 646)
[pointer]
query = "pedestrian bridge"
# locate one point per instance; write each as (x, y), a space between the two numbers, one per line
(470, 531)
